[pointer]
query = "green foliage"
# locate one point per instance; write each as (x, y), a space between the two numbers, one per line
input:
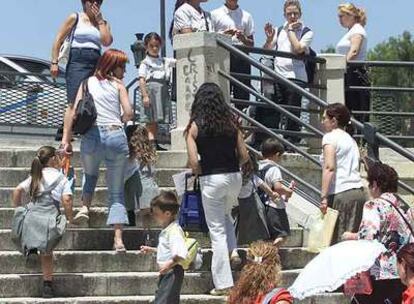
(329, 49)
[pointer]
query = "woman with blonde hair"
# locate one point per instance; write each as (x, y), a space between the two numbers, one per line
(354, 46)
(260, 277)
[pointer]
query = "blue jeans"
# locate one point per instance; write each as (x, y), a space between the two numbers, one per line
(107, 144)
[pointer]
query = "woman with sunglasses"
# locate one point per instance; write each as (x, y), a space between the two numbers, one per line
(354, 46)
(88, 31)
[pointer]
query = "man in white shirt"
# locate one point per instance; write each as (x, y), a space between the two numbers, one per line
(231, 20)
(292, 37)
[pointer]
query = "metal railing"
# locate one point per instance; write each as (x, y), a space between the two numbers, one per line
(373, 138)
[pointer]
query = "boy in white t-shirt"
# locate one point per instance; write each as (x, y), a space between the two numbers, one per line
(171, 249)
(278, 223)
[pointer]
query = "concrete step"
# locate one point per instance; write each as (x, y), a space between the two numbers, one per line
(97, 218)
(11, 177)
(184, 299)
(23, 157)
(102, 239)
(109, 284)
(99, 199)
(333, 298)
(133, 261)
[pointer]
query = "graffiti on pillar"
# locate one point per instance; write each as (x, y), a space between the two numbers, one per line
(190, 73)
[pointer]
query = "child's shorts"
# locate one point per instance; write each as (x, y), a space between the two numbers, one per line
(133, 191)
(277, 222)
(159, 110)
(169, 287)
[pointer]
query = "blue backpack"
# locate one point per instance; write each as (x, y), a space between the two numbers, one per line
(192, 217)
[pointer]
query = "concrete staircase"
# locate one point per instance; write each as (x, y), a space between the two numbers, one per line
(88, 270)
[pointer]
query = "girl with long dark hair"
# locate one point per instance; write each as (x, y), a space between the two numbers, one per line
(213, 134)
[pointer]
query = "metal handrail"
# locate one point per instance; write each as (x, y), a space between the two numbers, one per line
(245, 102)
(274, 53)
(291, 85)
(380, 89)
(401, 64)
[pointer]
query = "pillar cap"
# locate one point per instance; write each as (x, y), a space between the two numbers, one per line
(198, 40)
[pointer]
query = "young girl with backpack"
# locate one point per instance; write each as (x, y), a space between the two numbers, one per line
(154, 76)
(260, 277)
(38, 227)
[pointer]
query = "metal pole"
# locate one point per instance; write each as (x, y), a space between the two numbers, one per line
(162, 25)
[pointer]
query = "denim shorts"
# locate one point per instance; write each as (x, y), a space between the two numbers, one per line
(81, 65)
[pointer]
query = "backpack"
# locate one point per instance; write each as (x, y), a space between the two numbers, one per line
(270, 295)
(264, 197)
(192, 217)
(85, 113)
(193, 247)
(310, 65)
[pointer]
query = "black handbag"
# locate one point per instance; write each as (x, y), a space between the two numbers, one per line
(85, 113)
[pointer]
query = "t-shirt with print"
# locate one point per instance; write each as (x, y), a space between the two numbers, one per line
(156, 68)
(344, 45)
(250, 186)
(224, 19)
(50, 175)
(171, 243)
(347, 161)
(187, 17)
(273, 175)
(291, 68)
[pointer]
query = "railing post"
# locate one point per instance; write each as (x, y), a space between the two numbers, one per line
(332, 75)
(199, 59)
(370, 137)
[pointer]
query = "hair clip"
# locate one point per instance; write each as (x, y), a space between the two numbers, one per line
(258, 259)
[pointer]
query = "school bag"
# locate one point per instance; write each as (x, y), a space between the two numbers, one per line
(192, 217)
(262, 174)
(270, 295)
(193, 248)
(85, 112)
(310, 65)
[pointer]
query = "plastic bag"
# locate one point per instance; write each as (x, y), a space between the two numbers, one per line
(321, 231)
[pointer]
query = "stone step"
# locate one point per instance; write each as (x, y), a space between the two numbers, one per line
(109, 284)
(331, 298)
(99, 199)
(23, 157)
(97, 218)
(11, 177)
(102, 239)
(132, 261)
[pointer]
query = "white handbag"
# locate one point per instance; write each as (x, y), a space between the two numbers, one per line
(65, 47)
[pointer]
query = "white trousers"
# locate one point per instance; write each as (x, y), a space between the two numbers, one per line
(219, 194)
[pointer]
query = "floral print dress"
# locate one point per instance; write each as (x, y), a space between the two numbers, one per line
(381, 222)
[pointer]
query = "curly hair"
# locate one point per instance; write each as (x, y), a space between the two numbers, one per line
(211, 113)
(261, 274)
(140, 146)
(385, 177)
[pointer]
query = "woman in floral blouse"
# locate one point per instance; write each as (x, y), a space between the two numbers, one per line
(381, 221)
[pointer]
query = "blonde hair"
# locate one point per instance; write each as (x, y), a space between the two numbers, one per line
(140, 147)
(261, 274)
(292, 3)
(357, 12)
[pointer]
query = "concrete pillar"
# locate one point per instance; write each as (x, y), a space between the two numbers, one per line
(199, 59)
(332, 75)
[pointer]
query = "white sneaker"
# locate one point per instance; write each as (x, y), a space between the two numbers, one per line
(220, 292)
(82, 216)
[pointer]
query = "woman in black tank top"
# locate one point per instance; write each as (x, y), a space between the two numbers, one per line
(214, 135)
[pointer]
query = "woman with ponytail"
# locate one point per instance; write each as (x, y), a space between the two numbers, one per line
(341, 182)
(405, 265)
(43, 226)
(354, 46)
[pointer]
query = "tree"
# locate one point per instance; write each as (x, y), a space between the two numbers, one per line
(330, 49)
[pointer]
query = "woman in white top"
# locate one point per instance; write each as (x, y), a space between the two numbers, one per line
(342, 187)
(89, 32)
(106, 141)
(354, 46)
(190, 17)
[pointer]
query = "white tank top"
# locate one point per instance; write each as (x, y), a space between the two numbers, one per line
(86, 35)
(105, 94)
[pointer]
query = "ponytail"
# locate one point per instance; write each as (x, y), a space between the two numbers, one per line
(44, 154)
(361, 16)
(178, 4)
